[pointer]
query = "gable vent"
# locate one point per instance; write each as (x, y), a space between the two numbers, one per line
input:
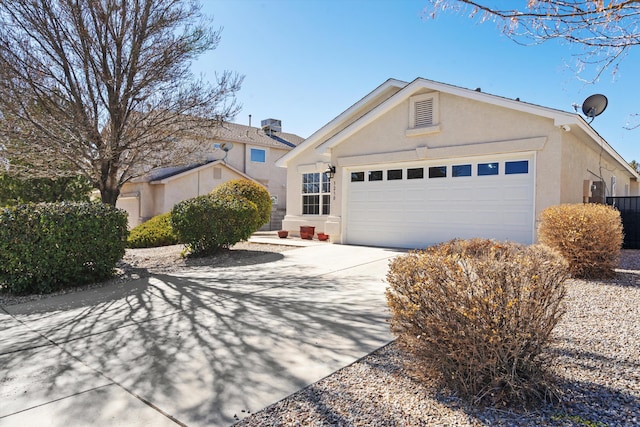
(424, 113)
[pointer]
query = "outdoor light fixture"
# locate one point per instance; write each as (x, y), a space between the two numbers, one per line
(331, 171)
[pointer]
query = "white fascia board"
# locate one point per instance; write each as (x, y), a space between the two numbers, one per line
(341, 118)
(420, 83)
(184, 173)
(199, 168)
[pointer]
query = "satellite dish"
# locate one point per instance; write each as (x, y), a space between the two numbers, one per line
(594, 105)
(226, 146)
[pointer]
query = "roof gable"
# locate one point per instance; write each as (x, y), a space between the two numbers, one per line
(324, 139)
(421, 84)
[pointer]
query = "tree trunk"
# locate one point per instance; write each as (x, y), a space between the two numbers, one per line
(109, 196)
(109, 186)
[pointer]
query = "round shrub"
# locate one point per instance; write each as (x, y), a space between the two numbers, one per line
(589, 237)
(479, 313)
(209, 223)
(249, 190)
(49, 246)
(153, 233)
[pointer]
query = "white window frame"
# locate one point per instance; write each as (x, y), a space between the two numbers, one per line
(324, 190)
(414, 130)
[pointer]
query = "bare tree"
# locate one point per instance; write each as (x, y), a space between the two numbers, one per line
(104, 87)
(605, 30)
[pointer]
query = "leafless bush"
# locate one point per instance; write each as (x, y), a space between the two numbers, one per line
(480, 313)
(589, 237)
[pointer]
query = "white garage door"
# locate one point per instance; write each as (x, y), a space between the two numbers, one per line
(413, 206)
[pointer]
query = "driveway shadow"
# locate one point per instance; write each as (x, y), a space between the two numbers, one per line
(209, 345)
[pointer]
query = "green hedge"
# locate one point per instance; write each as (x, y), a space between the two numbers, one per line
(153, 233)
(209, 223)
(249, 190)
(48, 246)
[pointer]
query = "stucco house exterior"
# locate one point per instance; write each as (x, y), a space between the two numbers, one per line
(253, 156)
(422, 162)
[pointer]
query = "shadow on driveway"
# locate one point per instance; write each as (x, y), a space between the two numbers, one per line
(203, 347)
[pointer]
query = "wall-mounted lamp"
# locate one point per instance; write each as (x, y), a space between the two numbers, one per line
(331, 171)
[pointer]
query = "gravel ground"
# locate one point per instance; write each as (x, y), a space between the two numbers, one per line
(597, 369)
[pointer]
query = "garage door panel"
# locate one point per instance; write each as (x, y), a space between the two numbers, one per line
(417, 213)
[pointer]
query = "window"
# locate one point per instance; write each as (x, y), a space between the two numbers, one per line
(487, 169)
(511, 168)
(315, 194)
(258, 155)
(415, 173)
(394, 174)
(375, 175)
(460, 170)
(357, 176)
(438, 172)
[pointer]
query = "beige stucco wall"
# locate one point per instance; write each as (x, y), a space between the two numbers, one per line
(160, 197)
(272, 177)
(144, 200)
(466, 128)
(588, 162)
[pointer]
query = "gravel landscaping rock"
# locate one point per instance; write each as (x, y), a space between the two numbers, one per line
(597, 371)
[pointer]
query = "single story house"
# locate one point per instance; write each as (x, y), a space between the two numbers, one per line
(234, 151)
(416, 163)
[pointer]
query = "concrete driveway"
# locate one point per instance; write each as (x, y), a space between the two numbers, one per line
(203, 347)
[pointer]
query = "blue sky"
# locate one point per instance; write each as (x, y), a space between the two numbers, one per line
(306, 61)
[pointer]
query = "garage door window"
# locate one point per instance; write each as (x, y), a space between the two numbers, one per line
(315, 194)
(375, 175)
(487, 169)
(438, 172)
(357, 176)
(394, 174)
(415, 173)
(511, 168)
(460, 170)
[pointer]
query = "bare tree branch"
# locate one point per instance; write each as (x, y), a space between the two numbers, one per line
(104, 87)
(605, 30)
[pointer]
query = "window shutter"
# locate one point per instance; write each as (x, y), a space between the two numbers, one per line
(423, 113)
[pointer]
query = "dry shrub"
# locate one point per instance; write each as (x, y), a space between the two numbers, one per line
(480, 313)
(589, 237)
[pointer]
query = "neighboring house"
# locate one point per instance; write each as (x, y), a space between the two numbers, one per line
(425, 162)
(253, 156)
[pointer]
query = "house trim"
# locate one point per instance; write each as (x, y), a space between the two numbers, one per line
(426, 153)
